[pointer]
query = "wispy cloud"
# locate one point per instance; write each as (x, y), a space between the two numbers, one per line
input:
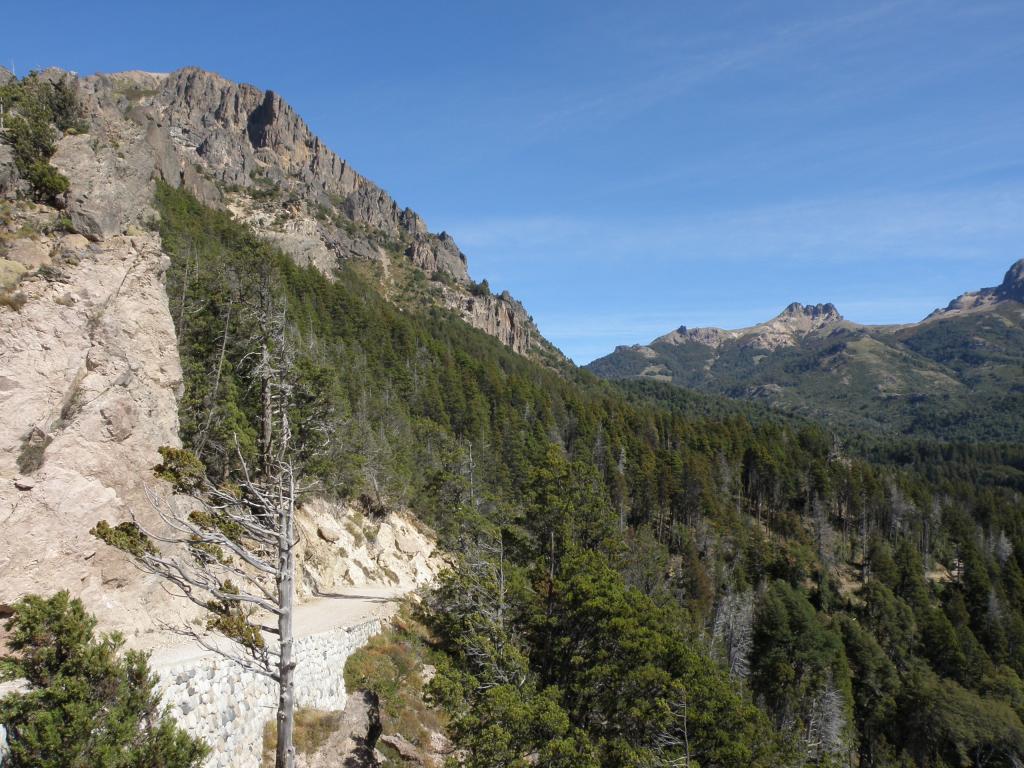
(684, 67)
(940, 225)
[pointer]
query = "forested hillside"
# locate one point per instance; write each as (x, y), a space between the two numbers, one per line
(644, 577)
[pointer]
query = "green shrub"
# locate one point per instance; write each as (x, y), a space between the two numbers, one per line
(127, 537)
(88, 703)
(181, 468)
(47, 182)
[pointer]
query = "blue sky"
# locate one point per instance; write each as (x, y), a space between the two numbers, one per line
(624, 168)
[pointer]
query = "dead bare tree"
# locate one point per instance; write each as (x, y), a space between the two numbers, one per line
(232, 553)
(671, 744)
(733, 630)
(230, 548)
(825, 728)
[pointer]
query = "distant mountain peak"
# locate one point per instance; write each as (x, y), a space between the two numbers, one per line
(1012, 286)
(784, 329)
(1011, 289)
(824, 313)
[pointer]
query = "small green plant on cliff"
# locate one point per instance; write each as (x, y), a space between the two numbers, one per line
(125, 536)
(33, 448)
(88, 703)
(181, 468)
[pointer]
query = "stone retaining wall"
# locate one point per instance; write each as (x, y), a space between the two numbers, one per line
(228, 706)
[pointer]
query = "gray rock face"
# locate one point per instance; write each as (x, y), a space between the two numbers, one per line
(820, 313)
(502, 317)
(241, 136)
(1012, 286)
(1011, 289)
(109, 183)
(5, 75)
(439, 254)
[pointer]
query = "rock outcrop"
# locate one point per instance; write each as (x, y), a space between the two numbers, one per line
(500, 316)
(247, 139)
(353, 742)
(235, 145)
(784, 330)
(341, 547)
(1011, 289)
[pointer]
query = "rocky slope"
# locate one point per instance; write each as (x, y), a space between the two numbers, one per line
(810, 360)
(237, 146)
(89, 379)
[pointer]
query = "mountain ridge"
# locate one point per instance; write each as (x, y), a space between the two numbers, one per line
(811, 360)
(797, 317)
(245, 149)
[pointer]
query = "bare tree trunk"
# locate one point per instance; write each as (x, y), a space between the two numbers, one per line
(286, 600)
(267, 405)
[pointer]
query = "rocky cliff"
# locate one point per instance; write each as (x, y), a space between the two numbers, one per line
(246, 149)
(89, 381)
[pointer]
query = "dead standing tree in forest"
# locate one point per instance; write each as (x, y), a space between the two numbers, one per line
(231, 548)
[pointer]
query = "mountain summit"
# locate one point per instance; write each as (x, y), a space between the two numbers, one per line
(1011, 289)
(784, 330)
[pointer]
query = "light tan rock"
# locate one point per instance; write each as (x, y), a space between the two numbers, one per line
(73, 243)
(87, 395)
(339, 547)
(328, 531)
(30, 253)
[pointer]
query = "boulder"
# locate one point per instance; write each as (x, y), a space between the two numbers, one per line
(328, 531)
(31, 254)
(409, 751)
